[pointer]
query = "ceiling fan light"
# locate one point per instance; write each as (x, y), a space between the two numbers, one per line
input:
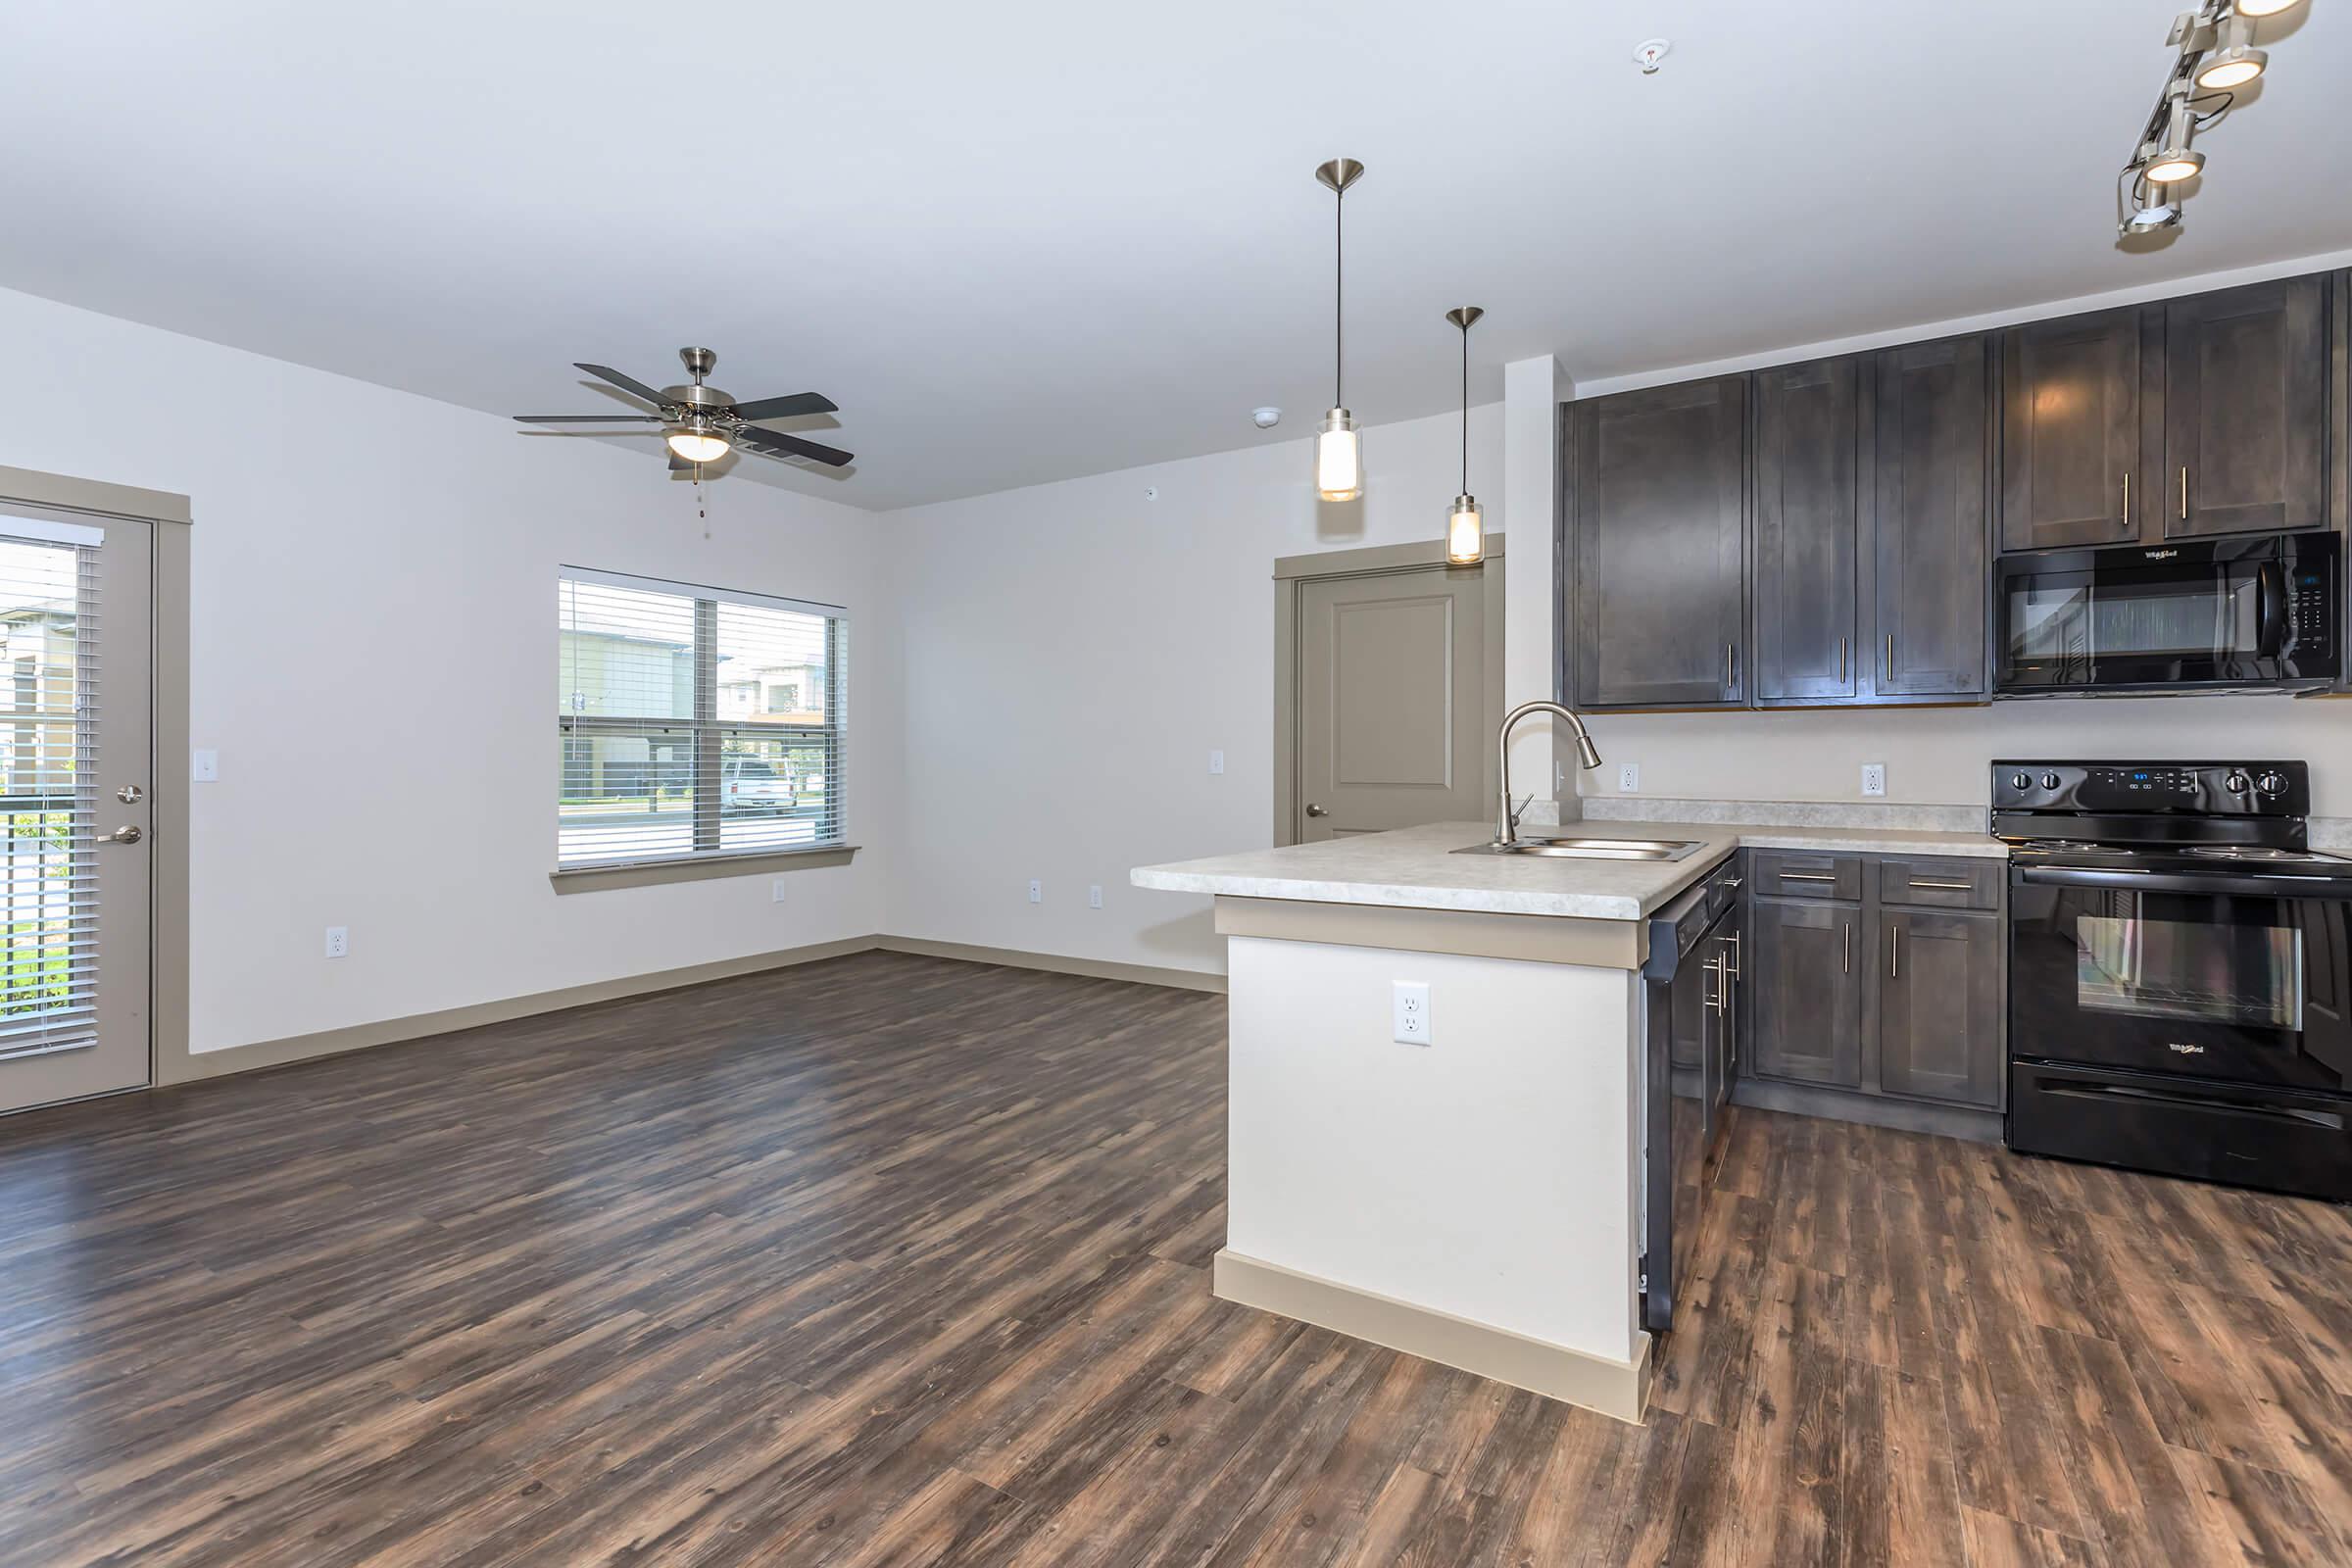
(698, 446)
(1339, 458)
(1465, 533)
(2265, 7)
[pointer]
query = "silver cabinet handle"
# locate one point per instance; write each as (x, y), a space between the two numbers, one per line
(122, 835)
(1313, 809)
(1807, 876)
(1944, 886)
(2185, 492)
(1731, 965)
(1889, 656)
(1848, 945)
(1895, 951)
(1726, 667)
(1841, 642)
(2127, 502)
(1713, 968)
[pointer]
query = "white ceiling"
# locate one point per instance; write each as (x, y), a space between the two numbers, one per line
(1023, 242)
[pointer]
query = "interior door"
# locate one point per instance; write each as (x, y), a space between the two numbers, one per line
(1392, 701)
(76, 759)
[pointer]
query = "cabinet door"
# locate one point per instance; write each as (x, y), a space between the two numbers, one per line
(1939, 1016)
(2071, 442)
(1934, 479)
(1808, 538)
(1659, 492)
(1806, 1011)
(2245, 410)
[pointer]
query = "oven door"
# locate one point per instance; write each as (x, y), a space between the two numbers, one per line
(2233, 977)
(2226, 614)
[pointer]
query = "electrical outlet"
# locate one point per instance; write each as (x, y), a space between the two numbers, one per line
(338, 941)
(1093, 897)
(1874, 778)
(203, 765)
(1629, 778)
(1216, 761)
(1409, 1001)
(1037, 891)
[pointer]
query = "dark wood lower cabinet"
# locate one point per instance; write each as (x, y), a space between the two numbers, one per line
(1879, 1007)
(1806, 1012)
(1939, 1007)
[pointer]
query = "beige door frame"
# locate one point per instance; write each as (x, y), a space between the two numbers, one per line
(1291, 575)
(167, 866)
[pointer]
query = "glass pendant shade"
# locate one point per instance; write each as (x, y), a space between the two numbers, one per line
(1339, 458)
(1465, 533)
(697, 445)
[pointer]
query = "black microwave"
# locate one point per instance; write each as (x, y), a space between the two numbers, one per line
(2259, 612)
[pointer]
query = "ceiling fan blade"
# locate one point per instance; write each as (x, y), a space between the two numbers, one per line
(776, 444)
(628, 384)
(587, 418)
(785, 408)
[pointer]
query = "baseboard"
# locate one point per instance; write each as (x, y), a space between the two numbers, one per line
(448, 1020)
(417, 1026)
(1617, 1389)
(1839, 1105)
(1142, 974)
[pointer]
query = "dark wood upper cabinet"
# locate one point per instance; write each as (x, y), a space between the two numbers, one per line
(1933, 529)
(1810, 519)
(1659, 514)
(2245, 395)
(2071, 437)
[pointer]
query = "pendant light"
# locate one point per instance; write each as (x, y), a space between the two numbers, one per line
(1465, 527)
(1339, 444)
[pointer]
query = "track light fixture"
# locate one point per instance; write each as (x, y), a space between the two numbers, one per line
(2216, 55)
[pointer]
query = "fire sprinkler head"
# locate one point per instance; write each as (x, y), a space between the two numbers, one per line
(1649, 52)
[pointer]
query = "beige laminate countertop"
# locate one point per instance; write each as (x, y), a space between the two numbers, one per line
(1415, 867)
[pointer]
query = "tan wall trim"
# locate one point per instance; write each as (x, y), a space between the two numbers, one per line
(1471, 933)
(1617, 1389)
(416, 1026)
(188, 1068)
(598, 878)
(167, 865)
(1092, 969)
(1293, 572)
(67, 494)
(1414, 553)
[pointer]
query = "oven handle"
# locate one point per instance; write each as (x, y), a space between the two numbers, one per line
(2251, 886)
(2270, 609)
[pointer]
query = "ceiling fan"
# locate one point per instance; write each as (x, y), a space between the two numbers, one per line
(701, 423)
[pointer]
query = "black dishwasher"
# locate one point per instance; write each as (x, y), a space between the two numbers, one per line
(1690, 1054)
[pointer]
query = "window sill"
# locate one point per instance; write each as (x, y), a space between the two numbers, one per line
(701, 868)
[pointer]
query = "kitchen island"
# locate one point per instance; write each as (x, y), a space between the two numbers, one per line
(1477, 1199)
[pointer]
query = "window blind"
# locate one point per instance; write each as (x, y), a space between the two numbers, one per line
(48, 796)
(695, 722)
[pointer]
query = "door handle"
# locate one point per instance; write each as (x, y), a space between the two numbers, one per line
(122, 835)
(1313, 809)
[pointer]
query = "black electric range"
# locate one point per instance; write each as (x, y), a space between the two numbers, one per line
(2180, 971)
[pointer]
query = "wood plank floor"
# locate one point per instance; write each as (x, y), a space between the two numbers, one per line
(896, 1261)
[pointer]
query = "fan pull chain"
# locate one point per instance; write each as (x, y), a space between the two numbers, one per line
(699, 510)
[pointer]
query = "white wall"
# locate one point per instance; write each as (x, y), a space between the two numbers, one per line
(1941, 755)
(373, 645)
(1073, 652)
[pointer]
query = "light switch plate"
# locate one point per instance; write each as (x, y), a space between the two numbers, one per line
(1409, 1000)
(1629, 778)
(1037, 891)
(775, 889)
(1094, 896)
(1874, 778)
(203, 765)
(1216, 761)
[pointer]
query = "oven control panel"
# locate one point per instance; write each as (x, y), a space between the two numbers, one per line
(2252, 788)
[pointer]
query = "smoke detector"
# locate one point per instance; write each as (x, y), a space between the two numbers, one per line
(1649, 52)
(1265, 419)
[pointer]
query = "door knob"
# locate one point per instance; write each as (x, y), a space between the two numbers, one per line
(1313, 809)
(122, 835)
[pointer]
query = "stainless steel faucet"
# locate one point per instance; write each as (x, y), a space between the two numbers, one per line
(1507, 822)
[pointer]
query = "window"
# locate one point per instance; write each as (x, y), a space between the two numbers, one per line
(672, 748)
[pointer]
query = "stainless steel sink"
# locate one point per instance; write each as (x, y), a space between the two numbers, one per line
(1593, 849)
